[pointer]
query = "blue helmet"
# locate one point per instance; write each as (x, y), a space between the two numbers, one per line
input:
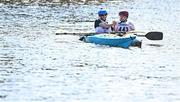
(102, 12)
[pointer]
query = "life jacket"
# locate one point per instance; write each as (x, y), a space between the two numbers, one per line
(124, 26)
(101, 26)
(98, 22)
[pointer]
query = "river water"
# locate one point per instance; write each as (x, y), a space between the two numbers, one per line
(37, 65)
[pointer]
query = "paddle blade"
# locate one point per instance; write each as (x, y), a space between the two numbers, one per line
(154, 35)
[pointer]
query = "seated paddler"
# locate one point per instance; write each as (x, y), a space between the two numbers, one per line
(101, 25)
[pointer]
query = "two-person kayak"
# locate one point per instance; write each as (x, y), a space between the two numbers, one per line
(113, 40)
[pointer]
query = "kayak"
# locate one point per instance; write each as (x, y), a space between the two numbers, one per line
(111, 40)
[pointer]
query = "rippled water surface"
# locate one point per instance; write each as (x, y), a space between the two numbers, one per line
(37, 65)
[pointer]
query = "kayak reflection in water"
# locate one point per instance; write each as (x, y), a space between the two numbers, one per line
(101, 25)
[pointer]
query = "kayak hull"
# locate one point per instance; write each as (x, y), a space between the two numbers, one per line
(111, 40)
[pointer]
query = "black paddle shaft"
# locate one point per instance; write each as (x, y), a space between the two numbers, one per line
(150, 35)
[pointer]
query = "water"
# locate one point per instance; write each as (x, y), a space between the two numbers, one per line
(37, 65)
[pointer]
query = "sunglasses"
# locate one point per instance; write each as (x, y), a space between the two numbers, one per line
(103, 15)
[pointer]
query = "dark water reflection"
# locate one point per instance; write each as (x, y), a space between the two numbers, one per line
(155, 45)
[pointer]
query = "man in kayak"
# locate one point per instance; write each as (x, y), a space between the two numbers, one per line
(124, 26)
(101, 25)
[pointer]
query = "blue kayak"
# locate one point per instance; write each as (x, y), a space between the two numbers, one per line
(111, 40)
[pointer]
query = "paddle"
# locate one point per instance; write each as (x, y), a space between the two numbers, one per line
(153, 35)
(77, 33)
(150, 35)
